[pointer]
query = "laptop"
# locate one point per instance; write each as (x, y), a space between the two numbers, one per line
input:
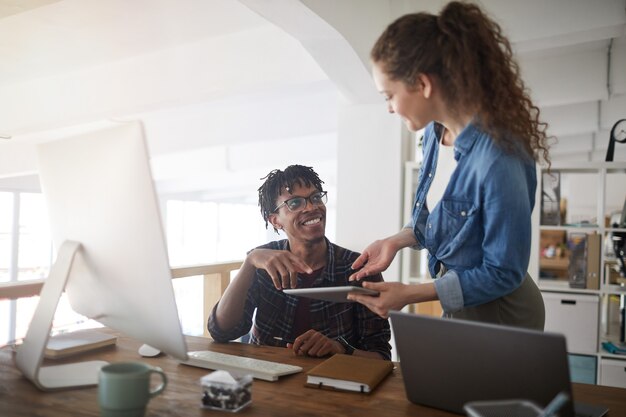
(447, 363)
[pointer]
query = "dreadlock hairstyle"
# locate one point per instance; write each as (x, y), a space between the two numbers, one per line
(473, 61)
(278, 180)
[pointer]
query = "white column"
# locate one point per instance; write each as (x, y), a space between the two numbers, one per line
(369, 177)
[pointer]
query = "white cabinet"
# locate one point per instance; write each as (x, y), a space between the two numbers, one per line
(576, 316)
(613, 372)
(581, 288)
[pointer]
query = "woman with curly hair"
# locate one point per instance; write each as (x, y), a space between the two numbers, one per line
(454, 75)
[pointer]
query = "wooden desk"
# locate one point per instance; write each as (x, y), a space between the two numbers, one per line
(287, 397)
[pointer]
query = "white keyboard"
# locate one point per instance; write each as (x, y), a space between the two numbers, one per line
(260, 369)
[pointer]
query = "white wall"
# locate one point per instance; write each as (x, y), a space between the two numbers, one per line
(370, 177)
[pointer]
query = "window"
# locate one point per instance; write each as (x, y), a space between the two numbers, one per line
(6, 235)
(6, 254)
(25, 254)
(35, 247)
(197, 232)
(207, 232)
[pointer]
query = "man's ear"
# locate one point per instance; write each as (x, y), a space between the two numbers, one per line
(424, 83)
(274, 222)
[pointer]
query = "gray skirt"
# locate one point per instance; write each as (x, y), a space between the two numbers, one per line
(522, 308)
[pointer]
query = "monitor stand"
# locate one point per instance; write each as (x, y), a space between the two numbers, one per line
(30, 353)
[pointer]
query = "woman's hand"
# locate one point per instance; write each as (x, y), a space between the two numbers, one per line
(378, 256)
(375, 258)
(394, 296)
(313, 343)
(391, 296)
(281, 265)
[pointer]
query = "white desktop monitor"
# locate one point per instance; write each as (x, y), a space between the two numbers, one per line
(112, 257)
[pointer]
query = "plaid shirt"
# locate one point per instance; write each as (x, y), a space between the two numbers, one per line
(275, 310)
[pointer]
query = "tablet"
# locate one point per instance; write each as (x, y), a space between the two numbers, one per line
(334, 294)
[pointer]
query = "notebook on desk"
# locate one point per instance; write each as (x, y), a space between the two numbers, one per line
(446, 363)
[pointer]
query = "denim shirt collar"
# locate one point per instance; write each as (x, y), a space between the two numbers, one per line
(465, 141)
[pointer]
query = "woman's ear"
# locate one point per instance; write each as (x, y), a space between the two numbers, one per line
(424, 83)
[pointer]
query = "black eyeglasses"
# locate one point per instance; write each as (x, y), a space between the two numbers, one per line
(299, 203)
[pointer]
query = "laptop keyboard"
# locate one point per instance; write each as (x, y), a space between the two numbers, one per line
(259, 369)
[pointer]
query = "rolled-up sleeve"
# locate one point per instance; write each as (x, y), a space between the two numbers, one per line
(449, 291)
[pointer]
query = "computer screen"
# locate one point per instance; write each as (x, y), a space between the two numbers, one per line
(102, 206)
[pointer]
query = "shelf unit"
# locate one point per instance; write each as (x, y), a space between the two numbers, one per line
(595, 192)
(413, 262)
(600, 190)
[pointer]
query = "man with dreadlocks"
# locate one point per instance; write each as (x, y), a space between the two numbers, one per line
(293, 200)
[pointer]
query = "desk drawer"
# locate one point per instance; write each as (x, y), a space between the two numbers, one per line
(613, 372)
(576, 316)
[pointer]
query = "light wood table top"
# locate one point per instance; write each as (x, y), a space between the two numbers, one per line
(286, 397)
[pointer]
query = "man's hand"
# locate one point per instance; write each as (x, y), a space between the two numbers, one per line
(313, 343)
(281, 265)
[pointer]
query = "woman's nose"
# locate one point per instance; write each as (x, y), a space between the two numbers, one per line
(390, 108)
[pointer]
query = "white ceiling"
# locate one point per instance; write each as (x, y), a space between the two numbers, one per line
(215, 78)
(44, 38)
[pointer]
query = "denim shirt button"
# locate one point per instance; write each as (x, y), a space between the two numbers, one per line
(417, 204)
(430, 225)
(463, 213)
(430, 174)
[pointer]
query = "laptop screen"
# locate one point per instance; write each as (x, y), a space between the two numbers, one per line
(446, 363)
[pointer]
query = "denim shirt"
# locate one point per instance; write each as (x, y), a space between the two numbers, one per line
(481, 228)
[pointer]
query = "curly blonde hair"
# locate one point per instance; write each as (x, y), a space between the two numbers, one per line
(473, 60)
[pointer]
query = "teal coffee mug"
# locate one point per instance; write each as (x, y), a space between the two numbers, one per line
(124, 388)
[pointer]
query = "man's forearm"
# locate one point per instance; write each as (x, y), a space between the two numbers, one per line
(230, 309)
